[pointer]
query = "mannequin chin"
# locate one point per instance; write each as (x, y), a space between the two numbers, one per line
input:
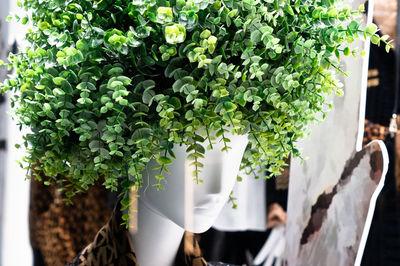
(218, 175)
(164, 215)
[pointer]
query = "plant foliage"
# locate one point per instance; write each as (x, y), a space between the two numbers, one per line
(105, 86)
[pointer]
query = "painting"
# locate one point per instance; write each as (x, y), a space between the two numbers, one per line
(338, 221)
(332, 194)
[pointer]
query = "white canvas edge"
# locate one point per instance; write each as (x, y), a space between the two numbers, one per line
(372, 203)
(364, 80)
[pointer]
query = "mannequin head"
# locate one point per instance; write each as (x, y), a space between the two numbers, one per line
(197, 211)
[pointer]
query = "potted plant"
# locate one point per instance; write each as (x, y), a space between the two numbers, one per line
(105, 86)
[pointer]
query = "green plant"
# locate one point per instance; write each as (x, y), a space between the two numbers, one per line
(108, 85)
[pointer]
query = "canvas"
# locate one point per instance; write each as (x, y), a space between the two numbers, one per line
(333, 192)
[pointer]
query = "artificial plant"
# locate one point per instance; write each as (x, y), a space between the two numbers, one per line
(105, 86)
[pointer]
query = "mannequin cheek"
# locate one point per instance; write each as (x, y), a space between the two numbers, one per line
(209, 199)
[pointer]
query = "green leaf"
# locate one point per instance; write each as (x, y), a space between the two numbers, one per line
(289, 9)
(375, 39)
(82, 45)
(255, 36)
(59, 81)
(104, 86)
(125, 80)
(388, 47)
(175, 33)
(148, 96)
(88, 86)
(346, 51)
(175, 102)
(115, 71)
(164, 160)
(353, 26)
(370, 29)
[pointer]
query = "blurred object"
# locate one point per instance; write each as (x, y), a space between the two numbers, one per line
(14, 188)
(3, 144)
(232, 247)
(374, 131)
(133, 211)
(396, 162)
(3, 118)
(276, 215)
(212, 263)
(241, 247)
(393, 125)
(273, 249)
(383, 240)
(111, 246)
(373, 78)
(381, 86)
(282, 181)
(58, 231)
(189, 252)
(385, 12)
(277, 188)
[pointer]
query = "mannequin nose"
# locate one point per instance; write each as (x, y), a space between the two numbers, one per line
(212, 176)
(213, 185)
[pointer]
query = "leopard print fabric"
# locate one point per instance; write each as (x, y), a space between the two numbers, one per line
(112, 246)
(374, 131)
(59, 231)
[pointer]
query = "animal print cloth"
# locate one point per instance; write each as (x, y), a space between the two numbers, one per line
(112, 246)
(374, 131)
(59, 231)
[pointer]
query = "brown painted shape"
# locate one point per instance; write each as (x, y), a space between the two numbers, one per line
(320, 209)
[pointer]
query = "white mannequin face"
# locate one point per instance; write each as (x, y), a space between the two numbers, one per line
(203, 205)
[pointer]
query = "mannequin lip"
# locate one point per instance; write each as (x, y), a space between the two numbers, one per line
(205, 208)
(208, 202)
